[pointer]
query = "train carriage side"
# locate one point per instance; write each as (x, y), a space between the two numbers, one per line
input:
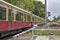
(15, 17)
(3, 18)
(11, 18)
(36, 20)
(25, 18)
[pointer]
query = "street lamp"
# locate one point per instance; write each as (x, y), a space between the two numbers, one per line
(46, 26)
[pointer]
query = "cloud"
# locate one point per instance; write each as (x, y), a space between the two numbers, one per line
(54, 7)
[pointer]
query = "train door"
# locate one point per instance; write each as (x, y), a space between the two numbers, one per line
(25, 19)
(11, 18)
(19, 20)
(3, 23)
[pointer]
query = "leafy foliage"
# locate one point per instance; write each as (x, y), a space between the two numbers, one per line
(35, 7)
(25, 4)
(39, 9)
(58, 18)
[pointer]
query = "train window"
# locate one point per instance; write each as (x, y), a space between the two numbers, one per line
(28, 18)
(11, 15)
(33, 19)
(25, 17)
(19, 16)
(36, 19)
(2, 13)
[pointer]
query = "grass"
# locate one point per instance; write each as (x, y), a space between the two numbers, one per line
(41, 32)
(58, 20)
(56, 33)
(28, 34)
(44, 33)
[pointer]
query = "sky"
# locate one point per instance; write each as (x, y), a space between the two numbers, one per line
(54, 7)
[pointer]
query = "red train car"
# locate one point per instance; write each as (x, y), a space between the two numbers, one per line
(14, 19)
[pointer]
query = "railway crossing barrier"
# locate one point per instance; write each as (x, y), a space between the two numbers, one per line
(31, 29)
(20, 35)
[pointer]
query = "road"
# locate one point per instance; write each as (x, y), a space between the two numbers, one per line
(19, 38)
(54, 37)
(35, 38)
(48, 38)
(42, 38)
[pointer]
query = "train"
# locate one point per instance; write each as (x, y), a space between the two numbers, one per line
(14, 19)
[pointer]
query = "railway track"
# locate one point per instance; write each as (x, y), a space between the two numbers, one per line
(16, 35)
(4, 35)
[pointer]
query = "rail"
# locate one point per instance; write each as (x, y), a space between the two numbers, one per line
(24, 32)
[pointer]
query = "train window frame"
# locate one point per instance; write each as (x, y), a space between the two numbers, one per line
(33, 19)
(11, 15)
(25, 18)
(4, 13)
(20, 20)
(28, 20)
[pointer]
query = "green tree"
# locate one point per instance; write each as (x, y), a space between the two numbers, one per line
(39, 9)
(25, 4)
(35, 7)
(58, 18)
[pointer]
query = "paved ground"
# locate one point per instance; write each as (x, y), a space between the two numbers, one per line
(42, 38)
(19, 38)
(54, 37)
(48, 38)
(35, 38)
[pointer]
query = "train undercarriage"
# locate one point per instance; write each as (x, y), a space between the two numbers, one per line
(7, 33)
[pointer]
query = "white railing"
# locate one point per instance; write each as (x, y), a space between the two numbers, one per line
(24, 32)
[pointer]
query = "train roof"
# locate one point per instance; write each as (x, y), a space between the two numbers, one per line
(20, 9)
(8, 4)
